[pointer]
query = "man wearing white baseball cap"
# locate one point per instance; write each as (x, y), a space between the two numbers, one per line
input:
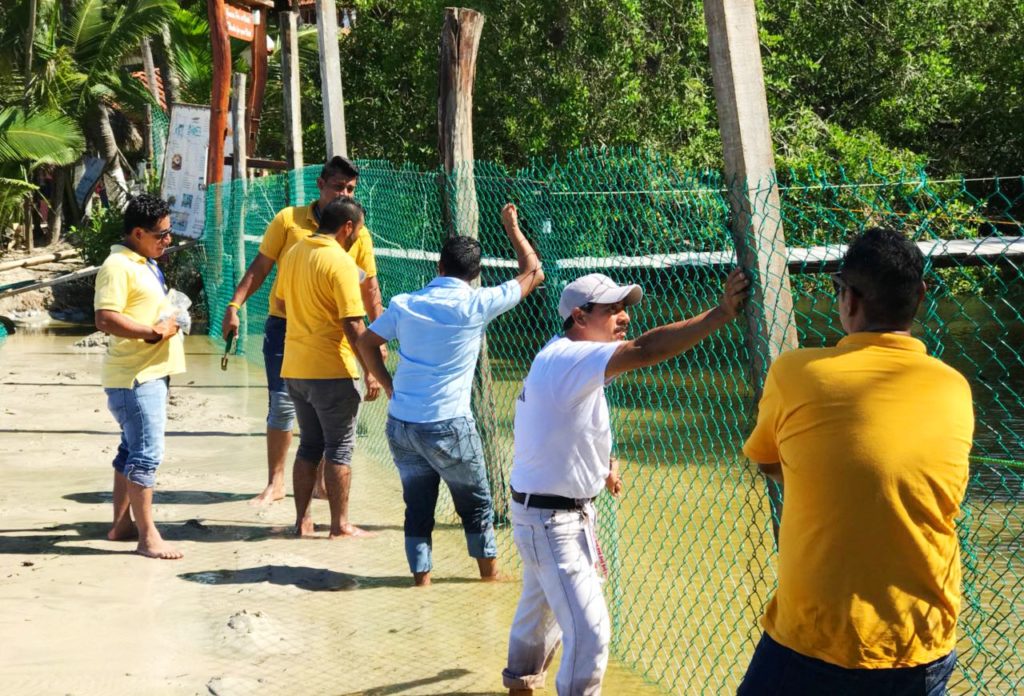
(562, 461)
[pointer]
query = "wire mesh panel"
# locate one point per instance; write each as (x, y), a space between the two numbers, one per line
(690, 547)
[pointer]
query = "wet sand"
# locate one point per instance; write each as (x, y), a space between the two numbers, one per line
(249, 609)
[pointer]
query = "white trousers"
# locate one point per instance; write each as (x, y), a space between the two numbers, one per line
(561, 600)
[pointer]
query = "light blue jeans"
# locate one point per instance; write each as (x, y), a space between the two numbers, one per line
(142, 414)
(426, 454)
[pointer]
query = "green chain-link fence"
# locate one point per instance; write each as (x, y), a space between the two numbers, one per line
(690, 546)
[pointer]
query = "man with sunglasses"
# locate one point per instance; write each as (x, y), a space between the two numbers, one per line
(339, 177)
(144, 352)
(871, 440)
(562, 460)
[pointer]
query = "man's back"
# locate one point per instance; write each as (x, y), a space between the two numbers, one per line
(873, 437)
(319, 284)
(439, 329)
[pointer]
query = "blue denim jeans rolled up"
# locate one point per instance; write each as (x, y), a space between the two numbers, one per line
(142, 414)
(449, 451)
(776, 670)
(280, 409)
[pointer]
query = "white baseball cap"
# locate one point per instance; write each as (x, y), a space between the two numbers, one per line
(599, 289)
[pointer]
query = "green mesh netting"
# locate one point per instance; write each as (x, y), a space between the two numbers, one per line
(690, 547)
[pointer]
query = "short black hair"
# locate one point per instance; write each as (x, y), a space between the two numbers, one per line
(144, 211)
(569, 321)
(885, 269)
(339, 211)
(460, 257)
(339, 166)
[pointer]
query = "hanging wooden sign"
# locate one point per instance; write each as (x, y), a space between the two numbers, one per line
(240, 22)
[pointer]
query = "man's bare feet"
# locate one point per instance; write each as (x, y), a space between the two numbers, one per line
(489, 570)
(158, 548)
(305, 527)
(270, 494)
(350, 531)
(520, 692)
(124, 530)
(421, 579)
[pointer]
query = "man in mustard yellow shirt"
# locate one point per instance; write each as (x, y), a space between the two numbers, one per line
(871, 440)
(144, 351)
(318, 286)
(339, 177)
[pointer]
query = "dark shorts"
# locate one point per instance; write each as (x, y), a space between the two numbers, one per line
(775, 670)
(327, 411)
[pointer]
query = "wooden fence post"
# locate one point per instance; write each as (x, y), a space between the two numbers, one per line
(460, 39)
(239, 176)
(753, 187)
(330, 78)
(219, 91)
(289, 22)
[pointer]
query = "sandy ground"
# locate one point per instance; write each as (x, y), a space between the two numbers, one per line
(249, 609)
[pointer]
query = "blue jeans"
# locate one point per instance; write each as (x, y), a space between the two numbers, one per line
(142, 414)
(426, 454)
(775, 669)
(280, 409)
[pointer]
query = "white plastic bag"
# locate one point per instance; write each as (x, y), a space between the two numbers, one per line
(178, 308)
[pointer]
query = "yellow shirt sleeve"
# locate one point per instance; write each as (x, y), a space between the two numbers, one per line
(275, 236)
(346, 292)
(362, 252)
(763, 446)
(111, 288)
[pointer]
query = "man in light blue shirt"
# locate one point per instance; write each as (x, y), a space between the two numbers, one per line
(430, 428)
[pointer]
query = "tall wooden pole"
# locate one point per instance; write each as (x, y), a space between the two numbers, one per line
(239, 175)
(330, 78)
(258, 74)
(289, 22)
(460, 39)
(753, 189)
(220, 90)
(172, 86)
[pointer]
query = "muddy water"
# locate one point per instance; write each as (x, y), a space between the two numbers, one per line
(249, 609)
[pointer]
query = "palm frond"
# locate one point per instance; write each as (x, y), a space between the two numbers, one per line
(40, 138)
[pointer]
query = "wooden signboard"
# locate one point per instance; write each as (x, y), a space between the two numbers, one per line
(240, 22)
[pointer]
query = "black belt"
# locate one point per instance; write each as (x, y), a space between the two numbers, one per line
(549, 502)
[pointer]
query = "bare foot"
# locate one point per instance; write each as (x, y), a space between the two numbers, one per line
(123, 531)
(270, 494)
(421, 579)
(305, 528)
(350, 530)
(158, 548)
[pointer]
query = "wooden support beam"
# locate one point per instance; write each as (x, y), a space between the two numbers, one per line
(291, 84)
(330, 78)
(258, 75)
(460, 40)
(239, 174)
(219, 91)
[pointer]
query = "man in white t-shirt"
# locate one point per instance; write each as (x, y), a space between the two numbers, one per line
(562, 461)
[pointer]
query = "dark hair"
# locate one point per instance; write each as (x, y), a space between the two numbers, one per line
(339, 166)
(460, 257)
(339, 211)
(885, 269)
(144, 211)
(569, 321)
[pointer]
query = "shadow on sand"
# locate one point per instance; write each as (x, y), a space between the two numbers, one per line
(305, 578)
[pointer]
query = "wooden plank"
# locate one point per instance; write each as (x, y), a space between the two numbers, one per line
(291, 91)
(239, 173)
(330, 78)
(258, 75)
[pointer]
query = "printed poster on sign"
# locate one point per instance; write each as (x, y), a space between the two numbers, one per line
(184, 179)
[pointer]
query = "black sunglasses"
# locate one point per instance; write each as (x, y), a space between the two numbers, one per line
(162, 234)
(838, 283)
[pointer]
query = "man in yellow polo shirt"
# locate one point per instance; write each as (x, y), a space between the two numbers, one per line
(339, 177)
(871, 440)
(143, 352)
(319, 288)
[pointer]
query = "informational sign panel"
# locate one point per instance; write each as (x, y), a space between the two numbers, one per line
(240, 22)
(90, 176)
(184, 176)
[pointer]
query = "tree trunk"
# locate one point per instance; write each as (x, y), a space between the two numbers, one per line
(56, 219)
(172, 86)
(117, 190)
